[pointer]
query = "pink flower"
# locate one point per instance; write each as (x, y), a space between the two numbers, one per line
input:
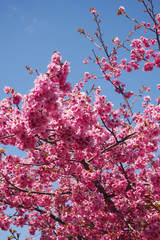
(148, 66)
(136, 43)
(85, 61)
(121, 10)
(87, 76)
(147, 98)
(116, 82)
(103, 60)
(92, 10)
(123, 61)
(128, 94)
(129, 69)
(98, 90)
(158, 100)
(116, 41)
(153, 41)
(7, 89)
(17, 98)
(157, 61)
(148, 89)
(94, 77)
(145, 42)
(158, 18)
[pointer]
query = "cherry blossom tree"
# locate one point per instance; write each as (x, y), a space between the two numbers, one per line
(89, 171)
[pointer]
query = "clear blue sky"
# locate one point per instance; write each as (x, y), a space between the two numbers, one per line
(32, 30)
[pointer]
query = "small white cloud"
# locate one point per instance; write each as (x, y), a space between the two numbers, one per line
(9, 15)
(29, 29)
(33, 25)
(14, 8)
(22, 18)
(30, 23)
(35, 21)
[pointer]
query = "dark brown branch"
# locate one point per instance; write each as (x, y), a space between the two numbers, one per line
(85, 165)
(38, 210)
(107, 197)
(9, 136)
(30, 191)
(117, 88)
(51, 215)
(47, 140)
(153, 19)
(100, 188)
(114, 145)
(109, 130)
(125, 174)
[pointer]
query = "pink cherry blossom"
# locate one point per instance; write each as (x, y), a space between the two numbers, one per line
(116, 41)
(85, 61)
(89, 168)
(7, 90)
(148, 66)
(92, 10)
(16, 98)
(158, 18)
(121, 10)
(147, 98)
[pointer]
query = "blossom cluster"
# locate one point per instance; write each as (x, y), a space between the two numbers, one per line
(89, 171)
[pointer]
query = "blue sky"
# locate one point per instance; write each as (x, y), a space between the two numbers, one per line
(32, 30)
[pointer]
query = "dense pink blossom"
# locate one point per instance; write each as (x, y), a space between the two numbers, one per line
(17, 98)
(90, 170)
(148, 66)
